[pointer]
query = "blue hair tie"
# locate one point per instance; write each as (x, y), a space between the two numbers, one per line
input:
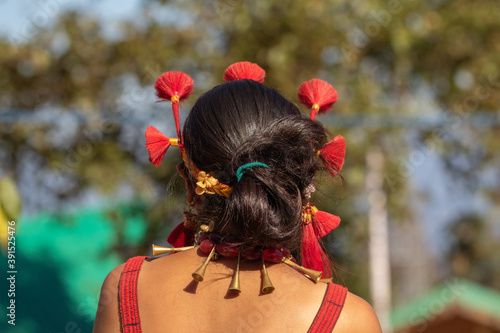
(241, 170)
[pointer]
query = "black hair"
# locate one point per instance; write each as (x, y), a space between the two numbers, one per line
(240, 122)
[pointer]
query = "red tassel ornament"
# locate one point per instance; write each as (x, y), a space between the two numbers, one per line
(324, 223)
(174, 84)
(333, 155)
(157, 145)
(174, 87)
(181, 236)
(318, 95)
(311, 253)
(244, 70)
(316, 225)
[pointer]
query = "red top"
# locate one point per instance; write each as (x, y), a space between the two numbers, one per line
(324, 322)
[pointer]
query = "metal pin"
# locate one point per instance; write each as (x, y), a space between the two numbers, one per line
(200, 272)
(267, 286)
(235, 283)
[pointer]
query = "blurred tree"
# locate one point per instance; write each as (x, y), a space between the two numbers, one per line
(473, 251)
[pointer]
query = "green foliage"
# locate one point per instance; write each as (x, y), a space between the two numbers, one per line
(473, 250)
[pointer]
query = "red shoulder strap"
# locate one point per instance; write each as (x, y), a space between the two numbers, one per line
(330, 309)
(127, 296)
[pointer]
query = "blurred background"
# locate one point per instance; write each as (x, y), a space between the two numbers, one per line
(419, 97)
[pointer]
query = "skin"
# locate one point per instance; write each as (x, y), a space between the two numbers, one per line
(171, 301)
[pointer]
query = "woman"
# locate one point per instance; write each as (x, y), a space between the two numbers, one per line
(250, 158)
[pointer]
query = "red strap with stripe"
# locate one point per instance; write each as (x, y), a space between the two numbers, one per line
(330, 309)
(127, 296)
(324, 322)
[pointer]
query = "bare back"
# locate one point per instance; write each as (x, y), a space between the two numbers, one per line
(171, 301)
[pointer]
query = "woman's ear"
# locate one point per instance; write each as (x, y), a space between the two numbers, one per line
(190, 187)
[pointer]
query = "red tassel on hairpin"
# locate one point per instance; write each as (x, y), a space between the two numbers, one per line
(174, 87)
(333, 154)
(312, 255)
(324, 223)
(318, 95)
(244, 70)
(157, 145)
(311, 252)
(316, 225)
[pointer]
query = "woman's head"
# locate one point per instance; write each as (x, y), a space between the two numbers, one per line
(241, 122)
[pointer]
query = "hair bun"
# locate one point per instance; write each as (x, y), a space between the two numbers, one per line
(243, 122)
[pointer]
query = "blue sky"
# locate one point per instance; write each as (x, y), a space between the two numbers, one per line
(16, 16)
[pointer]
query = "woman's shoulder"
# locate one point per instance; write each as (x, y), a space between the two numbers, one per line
(107, 319)
(107, 316)
(357, 316)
